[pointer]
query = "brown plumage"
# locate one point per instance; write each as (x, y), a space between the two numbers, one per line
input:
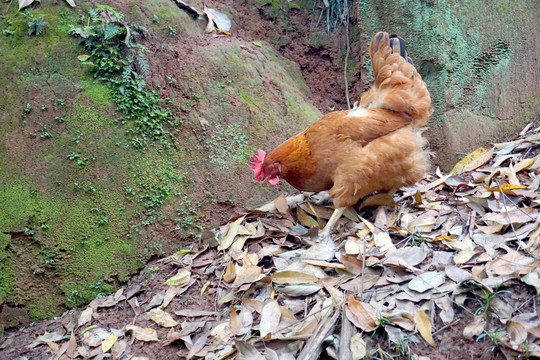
(376, 146)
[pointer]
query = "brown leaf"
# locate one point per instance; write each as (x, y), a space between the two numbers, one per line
(517, 332)
(230, 272)
(352, 264)
(236, 324)
(247, 275)
(364, 314)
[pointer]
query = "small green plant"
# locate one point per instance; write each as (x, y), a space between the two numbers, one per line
(172, 31)
(7, 32)
(45, 134)
(43, 107)
(36, 24)
(119, 61)
(155, 19)
(60, 119)
(487, 301)
(493, 336)
(28, 108)
(61, 102)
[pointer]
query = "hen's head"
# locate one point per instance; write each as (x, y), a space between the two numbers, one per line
(264, 169)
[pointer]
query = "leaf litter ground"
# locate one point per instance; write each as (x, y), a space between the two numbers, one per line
(444, 270)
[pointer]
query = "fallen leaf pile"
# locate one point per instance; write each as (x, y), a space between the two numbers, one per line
(401, 268)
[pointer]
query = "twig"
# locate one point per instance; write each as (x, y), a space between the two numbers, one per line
(312, 349)
(9, 6)
(345, 352)
(445, 327)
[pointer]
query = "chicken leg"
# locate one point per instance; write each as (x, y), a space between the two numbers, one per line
(324, 234)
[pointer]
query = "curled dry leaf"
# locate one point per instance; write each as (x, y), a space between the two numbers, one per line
(247, 275)
(475, 328)
(365, 316)
(517, 332)
(228, 239)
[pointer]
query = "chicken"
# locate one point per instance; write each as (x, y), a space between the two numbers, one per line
(376, 146)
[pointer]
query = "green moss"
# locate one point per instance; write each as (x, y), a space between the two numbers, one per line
(43, 309)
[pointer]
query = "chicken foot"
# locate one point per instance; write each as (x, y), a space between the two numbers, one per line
(324, 234)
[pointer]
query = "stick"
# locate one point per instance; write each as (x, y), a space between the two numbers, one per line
(312, 349)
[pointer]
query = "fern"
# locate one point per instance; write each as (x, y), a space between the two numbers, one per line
(111, 30)
(94, 16)
(144, 67)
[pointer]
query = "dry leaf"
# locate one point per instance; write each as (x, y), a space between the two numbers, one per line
(162, 318)
(424, 326)
(108, 343)
(365, 316)
(142, 334)
(517, 332)
(269, 318)
(179, 279)
(247, 275)
(475, 328)
(426, 281)
(228, 239)
(235, 322)
(230, 273)
(292, 277)
(472, 161)
(86, 316)
(358, 347)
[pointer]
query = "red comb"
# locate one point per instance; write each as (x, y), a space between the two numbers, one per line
(257, 163)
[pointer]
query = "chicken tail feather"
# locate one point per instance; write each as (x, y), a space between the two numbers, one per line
(398, 86)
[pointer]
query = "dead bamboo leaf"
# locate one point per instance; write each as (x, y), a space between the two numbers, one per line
(292, 277)
(108, 343)
(472, 161)
(228, 239)
(424, 326)
(179, 279)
